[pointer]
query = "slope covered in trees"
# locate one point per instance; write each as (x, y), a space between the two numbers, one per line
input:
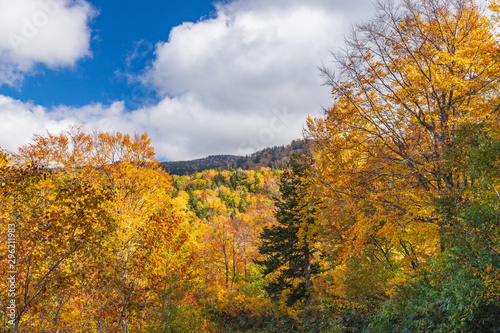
(390, 223)
(276, 157)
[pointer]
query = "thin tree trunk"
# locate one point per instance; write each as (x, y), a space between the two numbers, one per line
(307, 275)
(234, 267)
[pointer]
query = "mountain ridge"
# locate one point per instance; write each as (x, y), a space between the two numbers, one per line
(276, 157)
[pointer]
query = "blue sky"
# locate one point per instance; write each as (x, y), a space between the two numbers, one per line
(201, 77)
(119, 29)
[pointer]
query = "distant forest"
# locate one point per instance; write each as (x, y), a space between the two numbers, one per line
(276, 157)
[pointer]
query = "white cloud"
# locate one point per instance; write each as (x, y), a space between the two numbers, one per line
(249, 60)
(50, 32)
(21, 120)
(181, 128)
(244, 79)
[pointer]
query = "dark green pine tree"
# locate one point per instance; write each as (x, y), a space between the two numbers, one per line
(284, 247)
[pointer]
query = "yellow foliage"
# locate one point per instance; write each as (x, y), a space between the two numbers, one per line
(97, 232)
(402, 91)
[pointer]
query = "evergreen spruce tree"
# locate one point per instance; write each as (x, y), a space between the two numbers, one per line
(286, 246)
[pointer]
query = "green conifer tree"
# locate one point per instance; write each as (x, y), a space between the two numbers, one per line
(286, 246)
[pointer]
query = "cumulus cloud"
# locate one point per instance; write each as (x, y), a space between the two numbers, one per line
(21, 120)
(249, 61)
(243, 79)
(181, 128)
(50, 32)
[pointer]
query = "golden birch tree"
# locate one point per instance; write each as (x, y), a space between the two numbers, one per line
(405, 85)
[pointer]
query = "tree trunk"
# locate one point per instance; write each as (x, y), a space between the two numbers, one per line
(307, 275)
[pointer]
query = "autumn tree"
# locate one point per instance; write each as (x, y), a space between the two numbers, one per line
(458, 290)
(56, 217)
(406, 84)
(400, 164)
(98, 232)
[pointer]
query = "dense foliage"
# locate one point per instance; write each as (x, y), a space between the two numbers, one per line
(388, 223)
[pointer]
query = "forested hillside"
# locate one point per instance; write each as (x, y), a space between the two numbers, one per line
(211, 162)
(387, 222)
(275, 157)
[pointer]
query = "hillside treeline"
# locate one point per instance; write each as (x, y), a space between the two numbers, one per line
(277, 157)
